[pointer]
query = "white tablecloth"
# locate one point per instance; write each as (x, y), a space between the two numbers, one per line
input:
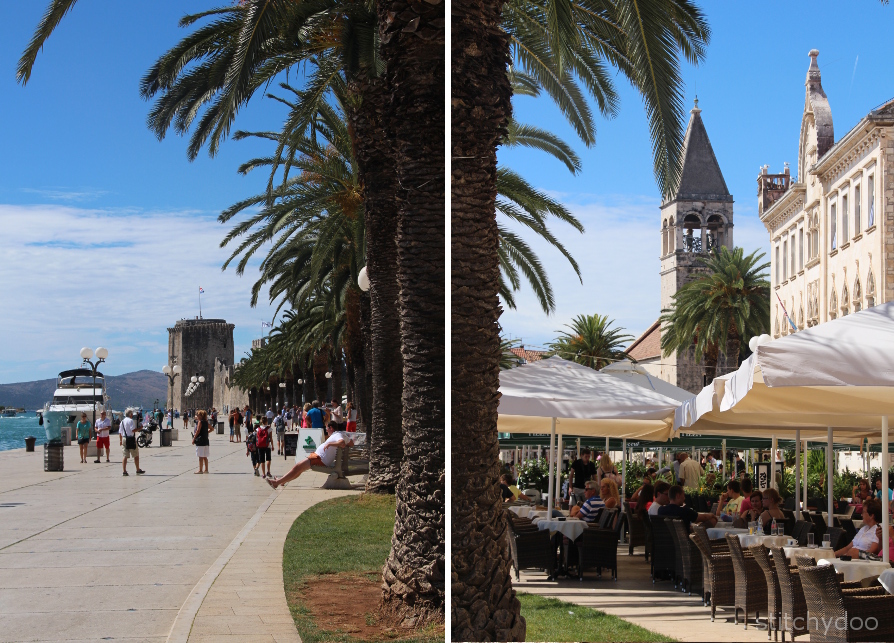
(886, 578)
(571, 528)
(717, 533)
(521, 511)
(817, 553)
(767, 541)
(855, 570)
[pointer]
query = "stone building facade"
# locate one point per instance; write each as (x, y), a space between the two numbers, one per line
(697, 218)
(832, 225)
(197, 345)
(226, 395)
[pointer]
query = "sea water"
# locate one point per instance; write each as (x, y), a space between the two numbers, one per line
(14, 430)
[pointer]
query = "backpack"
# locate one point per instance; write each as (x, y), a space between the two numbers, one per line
(263, 437)
(251, 442)
(279, 422)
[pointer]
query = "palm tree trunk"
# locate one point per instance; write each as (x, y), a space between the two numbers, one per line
(365, 405)
(413, 43)
(321, 366)
(483, 603)
(374, 151)
(354, 341)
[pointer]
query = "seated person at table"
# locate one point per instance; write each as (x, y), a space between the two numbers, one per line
(678, 509)
(517, 494)
(745, 484)
(662, 489)
(505, 492)
(755, 507)
(608, 489)
(730, 500)
(861, 492)
(878, 493)
(644, 500)
(771, 499)
(593, 504)
(867, 538)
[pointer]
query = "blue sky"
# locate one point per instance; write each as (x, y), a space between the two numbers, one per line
(107, 232)
(751, 92)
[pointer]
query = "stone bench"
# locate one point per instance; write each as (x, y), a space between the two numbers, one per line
(350, 461)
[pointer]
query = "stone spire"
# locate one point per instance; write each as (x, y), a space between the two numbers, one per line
(701, 178)
(817, 103)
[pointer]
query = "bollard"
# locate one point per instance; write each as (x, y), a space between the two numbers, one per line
(29, 444)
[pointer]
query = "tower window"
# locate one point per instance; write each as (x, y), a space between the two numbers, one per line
(870, 220)
(833, 227)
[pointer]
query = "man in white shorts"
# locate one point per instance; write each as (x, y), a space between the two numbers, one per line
(103, 424)
(323, 456)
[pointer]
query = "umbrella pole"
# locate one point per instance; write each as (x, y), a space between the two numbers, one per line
(829, 476)
(774, 445)
(560, 460)
(806, 445)
(886, 520)
(552, 480)
(624, 471)
(797, 473)
(578, 448)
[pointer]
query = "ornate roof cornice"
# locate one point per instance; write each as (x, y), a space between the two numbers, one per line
(790, 204)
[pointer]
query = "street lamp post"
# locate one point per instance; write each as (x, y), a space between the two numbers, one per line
(329, 392)
(101, 354)
(301, 384)
(171, 372)
(282, 385)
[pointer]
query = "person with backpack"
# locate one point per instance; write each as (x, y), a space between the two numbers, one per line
(264, 440)
(251, 448)
(280, 425)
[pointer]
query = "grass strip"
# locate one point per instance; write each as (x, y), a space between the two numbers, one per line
(343, 535)
(550, 619)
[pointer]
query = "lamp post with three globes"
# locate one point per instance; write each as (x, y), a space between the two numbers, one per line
(101, 354)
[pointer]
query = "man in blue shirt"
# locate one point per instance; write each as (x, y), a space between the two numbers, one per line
(316, 417)
(593, 504)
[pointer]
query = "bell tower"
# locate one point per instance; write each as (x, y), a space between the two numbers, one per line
(697, 218)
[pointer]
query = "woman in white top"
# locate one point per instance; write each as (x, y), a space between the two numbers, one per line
(867, 538)
(351, 414)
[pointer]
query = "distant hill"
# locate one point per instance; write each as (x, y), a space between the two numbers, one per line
(140, 388)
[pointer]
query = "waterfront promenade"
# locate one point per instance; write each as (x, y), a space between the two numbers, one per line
(88, 554)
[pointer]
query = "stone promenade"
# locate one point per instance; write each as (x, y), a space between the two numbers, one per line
(89, 555)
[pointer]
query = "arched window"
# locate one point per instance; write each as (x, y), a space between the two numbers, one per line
(715, 233)
(692, 236)
(833, 305)
(845, 302)
(801, 318)
(776, 333)
(870, 290)
(833, 227)
(664, 239)
(858, 295)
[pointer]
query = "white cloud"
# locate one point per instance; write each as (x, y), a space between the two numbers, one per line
(73, 277)
(619, 261)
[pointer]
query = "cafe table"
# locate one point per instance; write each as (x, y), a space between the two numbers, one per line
(886, 578)
(520, 511)
(856, 570)
(817, 553)
(747, 540)
(722, 529)
(571, 528)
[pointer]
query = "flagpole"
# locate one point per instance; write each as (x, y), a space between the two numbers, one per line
(200, 303)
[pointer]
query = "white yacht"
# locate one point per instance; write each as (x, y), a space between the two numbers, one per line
(75, 393)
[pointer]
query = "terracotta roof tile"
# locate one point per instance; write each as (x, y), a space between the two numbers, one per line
(647, 345)
(529, 356)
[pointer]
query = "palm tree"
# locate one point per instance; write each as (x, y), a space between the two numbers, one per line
(591, 341)
(717, 312)
(554, 41)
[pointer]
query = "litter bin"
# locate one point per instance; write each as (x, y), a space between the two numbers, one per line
(52, 457)
(220, 427)
(166, 437)
(29, 444)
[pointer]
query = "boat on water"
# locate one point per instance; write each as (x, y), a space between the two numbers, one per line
(8, 413)
(75, 393)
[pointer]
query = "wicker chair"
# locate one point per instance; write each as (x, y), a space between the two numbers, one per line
(663, 551)
(793, 608)
(774, 603)
(690, 557)
(607, 518)
(819, 526)
(597, 548)
(647, 527)
(751, 588)
(636, 531)
(837, 536)
(720, 587)
(531, 550)
(678, 553)
(830, 606)
(802, 529)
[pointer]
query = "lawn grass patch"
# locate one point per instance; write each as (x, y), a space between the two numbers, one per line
(344, 537)
(550, 619)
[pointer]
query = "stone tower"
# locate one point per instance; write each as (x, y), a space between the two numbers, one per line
(694, 220)
(195, 344)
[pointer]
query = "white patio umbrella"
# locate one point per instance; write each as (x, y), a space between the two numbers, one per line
(538, 397)
(837, 374)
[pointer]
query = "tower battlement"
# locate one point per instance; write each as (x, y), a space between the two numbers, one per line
(196, 344)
